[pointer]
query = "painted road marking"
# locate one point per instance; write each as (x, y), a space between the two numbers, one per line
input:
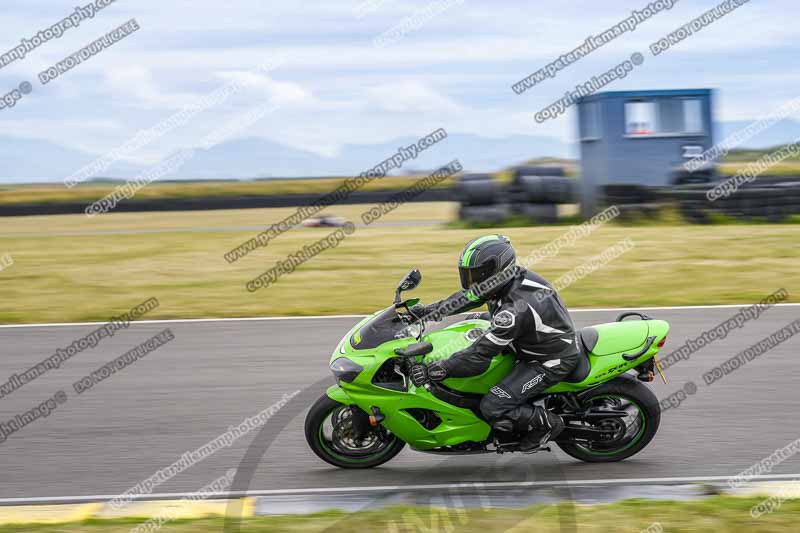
(392, 488)
(333, 317)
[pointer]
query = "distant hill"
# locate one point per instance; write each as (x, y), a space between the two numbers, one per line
(258, 158)
(36, 161)
(30, 160)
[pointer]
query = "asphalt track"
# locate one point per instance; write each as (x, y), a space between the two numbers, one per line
(216, 373)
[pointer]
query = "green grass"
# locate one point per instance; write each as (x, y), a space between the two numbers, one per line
(91, 191)
(91, 277)
(670, 215)
(785, 168)
(737, 160)
(745, 155)
(717, 514)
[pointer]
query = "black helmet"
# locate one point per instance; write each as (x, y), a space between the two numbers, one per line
(484, 257)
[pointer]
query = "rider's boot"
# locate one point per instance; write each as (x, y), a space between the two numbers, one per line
(543, 426)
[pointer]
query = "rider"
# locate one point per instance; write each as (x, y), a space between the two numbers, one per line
(529, 319)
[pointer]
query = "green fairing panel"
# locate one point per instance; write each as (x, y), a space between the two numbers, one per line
(623, 338)
(336, 393)
(452, 339)
(615, 339)
(458, 424)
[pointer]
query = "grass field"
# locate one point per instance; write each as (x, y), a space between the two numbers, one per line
(217, 219)
(89, 192)
(785, 168)
(737, 160)
(718, 514)
(92, 276)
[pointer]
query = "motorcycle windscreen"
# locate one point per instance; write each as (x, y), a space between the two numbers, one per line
(382, 328)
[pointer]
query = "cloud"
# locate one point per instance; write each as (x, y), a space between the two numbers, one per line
(454, 72)
(137, 83)
(410, 96)
(280, 92)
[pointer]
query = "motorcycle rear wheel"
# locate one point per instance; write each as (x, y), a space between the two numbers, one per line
(634, 432)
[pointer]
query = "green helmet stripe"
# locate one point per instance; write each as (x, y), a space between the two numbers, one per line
(467, 255)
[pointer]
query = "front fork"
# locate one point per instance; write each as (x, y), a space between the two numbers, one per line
(362, 424)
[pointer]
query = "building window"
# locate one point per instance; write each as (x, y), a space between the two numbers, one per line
(589, 117)
(664, 116)
(693, 116)
(640, 118)
(670, 114)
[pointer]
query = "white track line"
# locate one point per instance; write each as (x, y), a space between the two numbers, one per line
(325, 317)
(393, 488)
(180, 320)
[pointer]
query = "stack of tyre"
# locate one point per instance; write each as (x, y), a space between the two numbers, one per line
(771, 202)
(632, 200)
(482, 199)
(536, 192)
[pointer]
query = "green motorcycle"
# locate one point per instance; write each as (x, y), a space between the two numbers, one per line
(374, 410)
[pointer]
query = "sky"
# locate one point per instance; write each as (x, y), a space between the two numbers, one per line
(454, 69)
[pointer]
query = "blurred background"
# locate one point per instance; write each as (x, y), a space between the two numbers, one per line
(181, 150)
(277, 104)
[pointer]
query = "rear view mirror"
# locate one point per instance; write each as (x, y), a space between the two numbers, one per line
(409, 282)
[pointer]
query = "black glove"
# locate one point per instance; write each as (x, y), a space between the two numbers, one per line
(418, 310)
(430, 309)
(422, 374)
(436, 371)
(419, 375)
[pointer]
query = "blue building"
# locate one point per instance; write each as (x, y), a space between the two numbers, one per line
(642, 138)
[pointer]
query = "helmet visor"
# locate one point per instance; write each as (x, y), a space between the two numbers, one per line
(472, 275)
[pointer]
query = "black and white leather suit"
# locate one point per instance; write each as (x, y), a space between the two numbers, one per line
(528, 319)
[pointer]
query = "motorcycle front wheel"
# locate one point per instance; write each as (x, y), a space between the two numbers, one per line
(331, 436)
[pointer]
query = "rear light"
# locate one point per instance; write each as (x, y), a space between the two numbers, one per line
(661, 344)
